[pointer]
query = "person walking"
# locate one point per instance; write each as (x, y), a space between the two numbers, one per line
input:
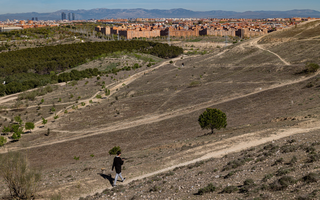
(117, 162)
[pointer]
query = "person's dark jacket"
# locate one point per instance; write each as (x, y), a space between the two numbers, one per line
(117, 162)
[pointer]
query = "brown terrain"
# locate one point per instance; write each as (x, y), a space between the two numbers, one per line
(266, 152)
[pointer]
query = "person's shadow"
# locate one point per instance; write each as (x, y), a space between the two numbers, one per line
(109, 177)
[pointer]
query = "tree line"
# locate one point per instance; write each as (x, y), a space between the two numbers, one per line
(30, 68)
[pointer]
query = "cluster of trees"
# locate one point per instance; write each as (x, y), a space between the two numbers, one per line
(16, 129)
(30, 68)
(42, 60)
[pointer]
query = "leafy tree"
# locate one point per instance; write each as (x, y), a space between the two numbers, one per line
(44, 121)
(2, 90)
(213, 119)
(56, 117)
(107, 92)
(3, 141)
(29, 126)
(114, 150)
(17, 134)
(18, 119)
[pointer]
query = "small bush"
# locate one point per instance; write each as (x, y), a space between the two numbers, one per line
(20, 179)
(312, 68)
(282, 172)
(114, 150)
(288, 148)
(313, 158)
(209, 188)
(311, 178)
(249, 182)
(293, 160)
(282, 183)
(236, 163)
(230, 189)
(3, 141)
(154, 188)
(279, 161)
(267, 177)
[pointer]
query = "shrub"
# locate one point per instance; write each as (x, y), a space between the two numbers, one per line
(155, 188)
(279, 161)
(236, 163)
(114, 150)
(248, 182)
(3, 141)
(29, 126)
(98, 96)
(18, 119)
(288, 148)
(107, 92)
(230, 189)
(313, 158)
(209, 188)
(282, 183)
(17, 134)
(311, 177)
(20, 179)
(312, 68)
(44, 121)
(293, 160)
(267, 177)
(282, 172)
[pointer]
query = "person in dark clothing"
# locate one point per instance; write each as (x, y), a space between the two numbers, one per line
(117, 162)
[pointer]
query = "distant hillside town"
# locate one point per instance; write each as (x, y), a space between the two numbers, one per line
(149, 28)
(173, 27)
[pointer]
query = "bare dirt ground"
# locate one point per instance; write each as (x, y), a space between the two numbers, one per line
(152, 114)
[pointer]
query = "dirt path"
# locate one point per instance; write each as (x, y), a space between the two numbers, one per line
(153, 118)
(257, 45)
(231, 145)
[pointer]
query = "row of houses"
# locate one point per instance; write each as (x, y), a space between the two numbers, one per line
(130, 32)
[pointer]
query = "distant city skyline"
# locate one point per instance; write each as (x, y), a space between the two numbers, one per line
(43, 6)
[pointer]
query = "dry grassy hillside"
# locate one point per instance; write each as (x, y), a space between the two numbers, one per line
(152, 113)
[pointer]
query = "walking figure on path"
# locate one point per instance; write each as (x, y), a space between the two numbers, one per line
(117, 162)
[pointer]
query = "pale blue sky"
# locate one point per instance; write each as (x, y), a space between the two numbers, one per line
(18, 6)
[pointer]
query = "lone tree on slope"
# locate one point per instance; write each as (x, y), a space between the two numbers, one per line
(213, 119)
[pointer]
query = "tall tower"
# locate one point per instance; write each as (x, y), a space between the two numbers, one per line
(63, 16)
(69, 16)
(73, 16)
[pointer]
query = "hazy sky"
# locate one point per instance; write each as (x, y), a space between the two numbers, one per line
(18, 6)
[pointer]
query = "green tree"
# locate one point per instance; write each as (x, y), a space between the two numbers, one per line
(17, 134)
(44, 121)
(3, 141)
(213, 119)
(29, 126)
(114, 150)
(18, 119)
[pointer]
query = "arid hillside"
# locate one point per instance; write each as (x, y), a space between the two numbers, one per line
(267, 151)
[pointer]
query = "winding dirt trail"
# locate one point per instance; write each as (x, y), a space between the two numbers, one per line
(152, 118)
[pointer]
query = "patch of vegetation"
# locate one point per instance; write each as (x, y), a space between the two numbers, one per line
(230, 189)
(209, 188)
(282, 183)
(237, 163)
(114, 150)
(212, 118)
(21, 181)
(311, 178)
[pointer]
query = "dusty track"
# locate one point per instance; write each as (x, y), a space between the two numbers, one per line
(153, 118)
